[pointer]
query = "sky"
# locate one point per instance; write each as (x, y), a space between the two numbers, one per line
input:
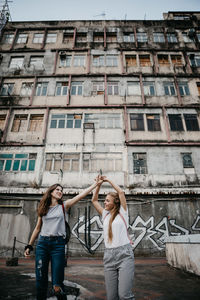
(34, 10)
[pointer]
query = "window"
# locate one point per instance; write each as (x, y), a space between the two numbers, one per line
(41, 89)
(139, 163)
(149, 88)
(153, 122)
(26, 89)
(22, 38)
(111, 37)
(131, 61)
(191, 122)
(186, 38)
(106, 120)
(98, 88)
(133, 88)
(169, 89)
(55, 162)
(129, 38)
(183, 88)
(137, 122)
(98, 60)
(176, 60)
(163, 60)
(81, 37)
(68, 38)
(198, 87)
(38, 38)
(36, 123)
(195, 60)
(181, 17)
(8, 38)
(65, 60)
(111, 61)
(19, 123)
(98, 37)
(158, 37)
(61, 88)
(77, 88)
(36, 61)
(2, 121)
(144, 60)
(79, 60)
(7, 89)
(113, 88)
(17, 162)
(142, 37)
(107, 162)
(171, 38)
(175, 122)
(66, 121)
(187, 160)
(16, 62)
(51, 38)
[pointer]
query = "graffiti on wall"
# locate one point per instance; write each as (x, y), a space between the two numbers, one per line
(89, 231)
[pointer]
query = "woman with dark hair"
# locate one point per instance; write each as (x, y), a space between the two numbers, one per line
(118, 255)
(51, 243)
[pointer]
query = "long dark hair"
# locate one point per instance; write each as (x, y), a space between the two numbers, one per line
(45, 202)
(116, 199)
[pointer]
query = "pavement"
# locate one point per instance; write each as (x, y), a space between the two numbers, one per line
(84, 280)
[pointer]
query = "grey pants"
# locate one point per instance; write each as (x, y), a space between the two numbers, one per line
(119, 272)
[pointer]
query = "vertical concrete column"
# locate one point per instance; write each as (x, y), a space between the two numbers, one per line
(135, 36)
(142, 90)
(45, 125)
(3, 139)
(106, 90)
(33, 91)
(104, 37)
(189, 69)
(55, 62)
(14, 39)
(88, 61)
(74, 38)
(155, 63)
(44, 38)
(165, 35)
(166, 124)
(69, 90)
(178, 92)
(126, 124)
(122, 62)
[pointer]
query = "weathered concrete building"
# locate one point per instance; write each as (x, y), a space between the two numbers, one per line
(121, 96)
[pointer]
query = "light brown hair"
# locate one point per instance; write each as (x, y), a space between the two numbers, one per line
(116, 199)
(45, 202)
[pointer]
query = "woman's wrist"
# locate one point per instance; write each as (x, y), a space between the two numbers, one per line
(28, 246)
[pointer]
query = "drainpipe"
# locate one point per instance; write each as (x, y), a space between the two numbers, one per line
(45, 125)
(6, 125)
(166, 124)
(142, 90)
(55, 62)
(106, 90)
(33, 91)
(126, 124)
(69, 90)
(178, 92)
(74, 38)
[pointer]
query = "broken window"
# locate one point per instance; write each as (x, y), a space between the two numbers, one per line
(51, 38)
(38, 38)
(111, 37)
(187, 160)
(61, 88)
(176, 60)
(163, 60)
(175, 122)
(19, 123)
(66, 121)
(16, 62)
(65, 60)
(98, 60)
(142, 37)
(131, 61)
(2, 121)
(17, 162)
(98, 88)
(77, 88)
(7, 89)
(113, 88)
(36, 61)
(158, 37)
(133, 88)
(107, 162)
(129, 38)
(149, 88)
(26, 89)
(41, 89)
(144, 60)
(191, 122)
(56, 162)
(137, 122)
(36, 123)
(139, 163)
(8, 38)
(79, 60)
(169, 88)
(22, 38)
(183, 88)
(111, 61)
(172, 38)
(104, 120)
(153, 122)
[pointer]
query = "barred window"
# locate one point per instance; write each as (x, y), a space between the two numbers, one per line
(139, 163)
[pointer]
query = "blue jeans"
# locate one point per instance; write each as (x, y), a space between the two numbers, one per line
(49, 249)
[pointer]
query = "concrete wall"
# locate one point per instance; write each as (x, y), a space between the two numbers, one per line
(183, 252)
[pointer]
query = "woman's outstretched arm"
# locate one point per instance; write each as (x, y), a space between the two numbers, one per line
(95, 201)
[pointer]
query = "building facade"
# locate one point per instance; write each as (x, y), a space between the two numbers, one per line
(120, 96)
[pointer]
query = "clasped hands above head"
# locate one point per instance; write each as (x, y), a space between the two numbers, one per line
(100, 179)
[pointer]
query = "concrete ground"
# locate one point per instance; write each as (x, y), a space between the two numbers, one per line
(154, 280)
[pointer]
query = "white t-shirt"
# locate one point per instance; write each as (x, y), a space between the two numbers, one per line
(119, 229)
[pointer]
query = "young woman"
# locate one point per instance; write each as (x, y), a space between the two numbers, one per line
(51, 243)
(118, 255)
